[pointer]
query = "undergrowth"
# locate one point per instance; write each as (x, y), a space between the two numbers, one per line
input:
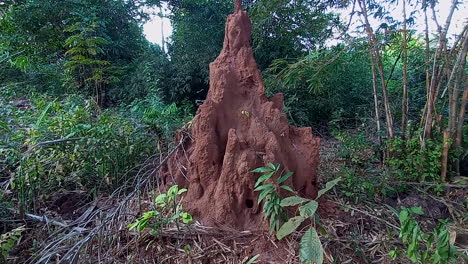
(50, 145)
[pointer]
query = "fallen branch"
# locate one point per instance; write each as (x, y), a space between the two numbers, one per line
(47, 220)
(53, 142)
(370, 215)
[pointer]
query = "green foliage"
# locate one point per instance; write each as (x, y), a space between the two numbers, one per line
(196, 40)
(145, 76)
(198, 33)
(296, 26)
(317, 87)
(270, 193)
(311, 249)
(161, 119)
(168, 210)
(421, 247)
(71, 144)
(8, 241)
(410, 162)
(355, 149)
(72, 44)
(84, 65)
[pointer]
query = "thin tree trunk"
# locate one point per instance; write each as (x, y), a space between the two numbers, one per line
(461, 115)
(404, 100)
(427, 62)
(427, 133)
(163, 42)
(378, 59)
(376, 100)
(445, 151)
(457, 73)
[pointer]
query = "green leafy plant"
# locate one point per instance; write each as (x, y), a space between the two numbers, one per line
(311, 249)
(355, 149)
(410, 162)
(269, 193)
(67, 144)
(422, 247)
(168, 210)
(8, 241)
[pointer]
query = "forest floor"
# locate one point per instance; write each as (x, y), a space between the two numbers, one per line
(355, 226)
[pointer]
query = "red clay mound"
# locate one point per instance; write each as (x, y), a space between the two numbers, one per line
(236, 130)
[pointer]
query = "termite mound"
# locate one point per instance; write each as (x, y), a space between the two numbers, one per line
(236, 130)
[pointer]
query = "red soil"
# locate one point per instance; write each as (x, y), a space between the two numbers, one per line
(236, 130)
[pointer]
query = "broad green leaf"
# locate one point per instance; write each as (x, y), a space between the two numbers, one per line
(311, 250)
(287, 188)
(263, 178)
(172, 192)
(308, 209)
(289, 227)
(403, 216)
(262, 169)
(328, 186)
(186, 218)
(417, 210)
(160, 200)
(284, 177)
(293, 200)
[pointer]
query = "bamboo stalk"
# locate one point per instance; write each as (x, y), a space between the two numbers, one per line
(378, 60)
(435, 78)
(445, 151)
(461, 115)
(404, 100)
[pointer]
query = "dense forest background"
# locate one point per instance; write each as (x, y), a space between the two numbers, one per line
(85, 98)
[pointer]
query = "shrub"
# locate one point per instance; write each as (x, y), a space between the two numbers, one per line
(311, 250)
(422, 247)
(167, 210)
(410, 162)
(53, 145)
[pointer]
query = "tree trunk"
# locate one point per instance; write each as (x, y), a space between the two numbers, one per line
(461, 116)
(375, 54)
(376, 99)
(427, 133)
(458, 77)
(445, 151)
(404, 100)
(163, 42)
